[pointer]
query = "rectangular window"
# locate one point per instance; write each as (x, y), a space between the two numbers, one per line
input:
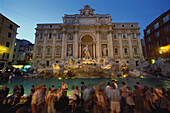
(50, 35)
(167, 28)
(156, 25)
(159, 43)
(124, 35)
(7, 44)
(114, 35)
(135, 50)
(59, 37)
(48, 51)
(165, 19)
(39, 51)
(125, 50)
(9, 35)
(152, 54)
(47, 63)
(116, 51)
(133, 35)
(149, 39)
(148, 31)
(41, 36)
(157, 34)
(58, 51)
(10, 26)
(5, 55)
(168, 39)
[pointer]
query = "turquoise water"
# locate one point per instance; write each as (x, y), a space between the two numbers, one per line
(151, 82)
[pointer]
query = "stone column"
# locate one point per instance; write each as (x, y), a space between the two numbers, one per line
(98, 46)
(120, 45)
(94, 51)
(140, 45)
(63, 46)
(53, 47)
(110, 45)
(75, 50)
(80, 51)
(130, 46)
(44, 47)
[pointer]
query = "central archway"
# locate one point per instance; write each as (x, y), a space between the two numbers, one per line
(87, 46)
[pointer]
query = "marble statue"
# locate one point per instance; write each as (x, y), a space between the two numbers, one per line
(104, 51)
(86, 52)
(69, 51)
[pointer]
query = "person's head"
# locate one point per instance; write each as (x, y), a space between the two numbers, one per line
(123, 83)
(52, 86)
(32, 87)
(108, 84)
(159, 91)
(62, 82)
(82, 83)
(20, 86)
(59, 88)
(43, 86)
(38, 88)
(5, 87)
(128, 88)
(77, 87)
(16, 86)
(113, 81)
(55, 91)
(137, 83)
(49, 89)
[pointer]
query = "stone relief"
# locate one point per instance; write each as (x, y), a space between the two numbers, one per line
(70, 36)
(87, 11)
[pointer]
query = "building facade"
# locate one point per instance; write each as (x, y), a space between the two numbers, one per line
(87, 35)
(22, 52)
(157, 38)
(8, 32)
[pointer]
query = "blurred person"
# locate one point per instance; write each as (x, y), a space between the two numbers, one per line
(15, 91)
(163, 104)
(52, 87)
(138, 99)
(113, 82)
(75, 93)
(3, 94)
(140, 86)
(37, 100)
(123, 93)
(59, 93)
(129, 100)
(51, 98)
(83, 87)
(64, 88)
(115, 98)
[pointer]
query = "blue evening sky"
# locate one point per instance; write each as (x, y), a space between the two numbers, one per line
(28, 13)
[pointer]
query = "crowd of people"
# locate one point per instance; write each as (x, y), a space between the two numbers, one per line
(96, 99)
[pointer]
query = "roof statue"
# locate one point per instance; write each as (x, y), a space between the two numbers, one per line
(87, 11)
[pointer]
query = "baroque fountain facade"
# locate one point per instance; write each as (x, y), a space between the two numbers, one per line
(88, 45)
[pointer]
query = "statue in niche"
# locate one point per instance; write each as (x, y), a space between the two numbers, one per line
(104, 51)
(86, 52)
(69, 51)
